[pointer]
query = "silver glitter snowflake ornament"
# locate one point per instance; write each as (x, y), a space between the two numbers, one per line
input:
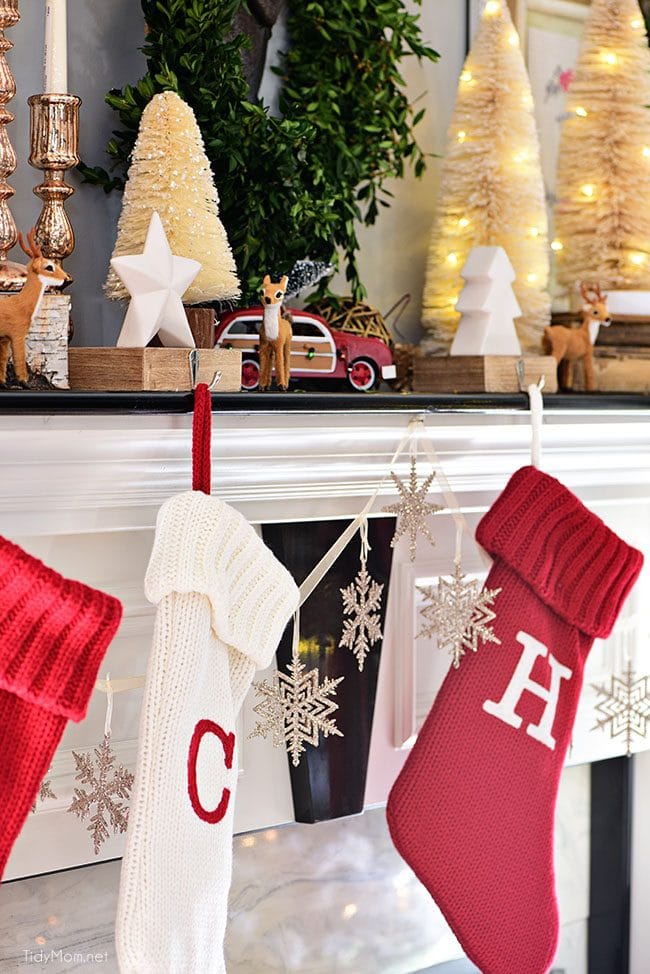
(413, 509)
(361, 601)
(101, 802)
(296, 709)
(458, 611)
(625, 706)
(45, 793)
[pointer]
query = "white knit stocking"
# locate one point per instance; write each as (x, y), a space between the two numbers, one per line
(223, 601)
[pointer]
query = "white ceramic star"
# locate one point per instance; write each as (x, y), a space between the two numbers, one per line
(156, 280)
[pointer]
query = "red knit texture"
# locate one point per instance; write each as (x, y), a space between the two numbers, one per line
(201, 440)
(53, 636)
(473, 809)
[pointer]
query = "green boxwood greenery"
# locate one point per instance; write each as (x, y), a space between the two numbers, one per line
(295, 186)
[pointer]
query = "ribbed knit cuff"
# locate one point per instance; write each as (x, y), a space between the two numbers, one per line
(574, 562)
(53, 633)
(203, 545)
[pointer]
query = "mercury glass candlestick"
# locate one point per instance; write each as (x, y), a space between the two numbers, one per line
(12, 275)
(54, 131)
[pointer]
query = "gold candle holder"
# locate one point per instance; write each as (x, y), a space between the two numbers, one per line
(12, 275)
(54, 132)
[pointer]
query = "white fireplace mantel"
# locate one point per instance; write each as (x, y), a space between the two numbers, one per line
(65, 474)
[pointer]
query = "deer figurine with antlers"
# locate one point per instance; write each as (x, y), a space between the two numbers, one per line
(570, 345)
(18, 311)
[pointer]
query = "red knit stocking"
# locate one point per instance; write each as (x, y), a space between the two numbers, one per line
(53, 636)
(472, 811)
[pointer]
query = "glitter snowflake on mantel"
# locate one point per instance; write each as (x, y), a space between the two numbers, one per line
(459, 614)
(107, 783)
(625, 706)
(296, 709)
(413, 509)
(362, 601)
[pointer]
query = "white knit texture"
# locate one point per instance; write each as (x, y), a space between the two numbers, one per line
(223, 602)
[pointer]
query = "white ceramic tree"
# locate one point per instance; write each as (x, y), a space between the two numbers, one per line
(487, 306)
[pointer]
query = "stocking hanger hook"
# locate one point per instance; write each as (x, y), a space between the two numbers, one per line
(195, 361)
(534, 393)
(521, 376)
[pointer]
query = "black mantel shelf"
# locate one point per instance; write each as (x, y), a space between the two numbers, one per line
(63, 401)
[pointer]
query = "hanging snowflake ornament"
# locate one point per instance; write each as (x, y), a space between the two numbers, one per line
(362, 601)
(296, 709)
(45, 793)
(413, 509)
(624, 707)
(458, 611)
(108, 787)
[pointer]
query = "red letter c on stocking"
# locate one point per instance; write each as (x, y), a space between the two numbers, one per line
(228, 743)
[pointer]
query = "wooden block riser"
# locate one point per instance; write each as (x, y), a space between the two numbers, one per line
(481, 373)
(622, 372)
(625, 330)
(151, 369)
(618, 335)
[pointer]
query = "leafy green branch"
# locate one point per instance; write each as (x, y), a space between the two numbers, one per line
(295, 186)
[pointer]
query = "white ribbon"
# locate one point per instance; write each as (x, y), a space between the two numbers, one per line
(119, 686)
(109, 706)
(317, 574)
(328, 559)
(536, 420)
(365, 545)
(462, 527)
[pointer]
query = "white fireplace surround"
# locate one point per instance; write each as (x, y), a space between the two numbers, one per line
(83, 491)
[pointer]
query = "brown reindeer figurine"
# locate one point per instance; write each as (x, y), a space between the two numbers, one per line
(275, 335)
(570, 345)
(18, 311)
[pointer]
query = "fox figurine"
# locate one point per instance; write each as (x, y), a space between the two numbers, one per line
(275, 335)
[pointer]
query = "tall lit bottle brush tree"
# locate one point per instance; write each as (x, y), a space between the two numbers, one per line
(491, 189)
(170, 173)
(603, 210)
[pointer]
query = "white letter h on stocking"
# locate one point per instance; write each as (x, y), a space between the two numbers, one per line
(521, 681)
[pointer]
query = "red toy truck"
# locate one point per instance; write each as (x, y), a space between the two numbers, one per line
(317, 351)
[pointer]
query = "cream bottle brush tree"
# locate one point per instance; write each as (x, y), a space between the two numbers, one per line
(602, 220)
(491, 189)
(170, 174)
